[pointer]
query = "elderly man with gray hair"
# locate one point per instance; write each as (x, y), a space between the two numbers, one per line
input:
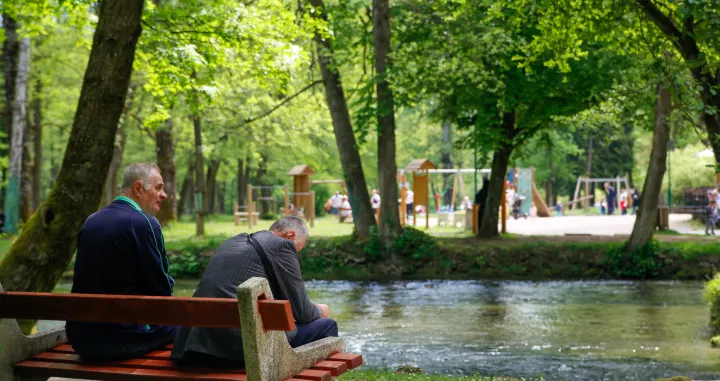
(272, 255)
(121, 251)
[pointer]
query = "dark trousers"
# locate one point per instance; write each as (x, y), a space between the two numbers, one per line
(120, 351)
(314, 331)
(306, 333)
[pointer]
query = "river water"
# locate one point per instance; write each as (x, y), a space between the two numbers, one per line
(565, 330)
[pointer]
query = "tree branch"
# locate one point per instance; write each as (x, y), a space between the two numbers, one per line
(683, 40)
(286, 100)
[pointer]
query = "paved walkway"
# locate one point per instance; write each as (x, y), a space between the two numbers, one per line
(594, 225)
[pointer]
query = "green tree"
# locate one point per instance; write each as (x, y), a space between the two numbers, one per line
(42, 252)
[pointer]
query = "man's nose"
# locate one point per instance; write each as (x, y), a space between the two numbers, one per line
(163, 195)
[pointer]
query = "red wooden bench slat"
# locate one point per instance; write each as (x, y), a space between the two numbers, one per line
(275, 313)
(335, 368)
(52, 369)
(158, 354)
(131, 309)
(352, 361)
(169, 346)
(131, 363)
(314, 375)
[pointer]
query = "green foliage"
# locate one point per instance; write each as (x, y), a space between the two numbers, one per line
(189, 257)
(410, 244)
(640, 264)
(711, 292)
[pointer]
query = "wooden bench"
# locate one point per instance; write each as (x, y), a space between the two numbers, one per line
(262, 320)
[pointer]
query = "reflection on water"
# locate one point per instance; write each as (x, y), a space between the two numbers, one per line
(564, 330)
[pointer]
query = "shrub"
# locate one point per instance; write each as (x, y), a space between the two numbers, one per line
(711, 292)
(641, 263)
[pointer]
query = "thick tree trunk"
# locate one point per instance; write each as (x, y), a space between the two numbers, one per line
(200, 191)
(358, 194)
(186, 191)
(111, 181)
(40, 255)
(501, 158)
(647, 213)
(17, 142)
(446, 161)
(37, 144)
(389, 227)
(10, 57)
(166, 161)
(26, 181)
(212, 190)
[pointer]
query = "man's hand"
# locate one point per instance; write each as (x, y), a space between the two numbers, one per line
(324, 310)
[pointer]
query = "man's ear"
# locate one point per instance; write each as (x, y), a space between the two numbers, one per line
(290, 235)
(136, 187)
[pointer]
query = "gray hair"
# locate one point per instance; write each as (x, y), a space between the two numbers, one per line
(138, 171)
(288, 223)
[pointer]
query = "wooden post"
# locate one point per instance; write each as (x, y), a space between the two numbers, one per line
(503, 208)
(236, 211)
(427, 201)
(475, 211)
(577, 190)
(287, 200)
(311, 210)
(587, 195)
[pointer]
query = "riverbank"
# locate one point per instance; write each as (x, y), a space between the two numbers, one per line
(420, 256)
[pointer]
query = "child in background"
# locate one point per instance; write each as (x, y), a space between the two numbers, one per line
(558, 209)
(533, 210)
(711, 218)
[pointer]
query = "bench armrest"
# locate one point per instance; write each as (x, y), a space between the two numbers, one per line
(268, 356)
(16, 347)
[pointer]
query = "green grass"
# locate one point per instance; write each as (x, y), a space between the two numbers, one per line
(386, 375)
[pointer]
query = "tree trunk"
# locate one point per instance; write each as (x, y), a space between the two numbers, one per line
(261, 179)
(40, 255)
(111, 188)
(186, 191)
(221, 198)
(358, 194)
(26, 189)
(213, 169)
(111, 181)
(166, 161)
(501, 158)
(200, 199)
(37, 143)
(446, 161)
(647, 212)
(387, 167)
(243, 176)
(17, 142)
(10, 60)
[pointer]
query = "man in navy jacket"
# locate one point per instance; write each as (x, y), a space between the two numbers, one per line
(121, 251)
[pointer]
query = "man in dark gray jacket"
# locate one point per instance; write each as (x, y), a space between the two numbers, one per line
(236, 261)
